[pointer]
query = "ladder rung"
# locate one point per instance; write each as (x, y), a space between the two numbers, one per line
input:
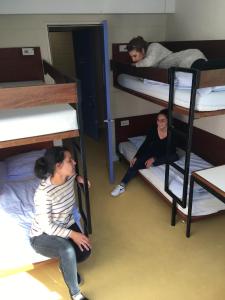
(178, 168)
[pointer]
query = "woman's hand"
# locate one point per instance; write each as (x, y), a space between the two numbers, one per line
(132, 162)
(149, 162)
(81, 240)
(80, 179)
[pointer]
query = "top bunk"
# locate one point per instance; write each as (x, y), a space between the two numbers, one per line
(31, 110)
(152, 84)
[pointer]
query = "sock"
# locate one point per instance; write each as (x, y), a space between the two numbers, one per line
(78, 297)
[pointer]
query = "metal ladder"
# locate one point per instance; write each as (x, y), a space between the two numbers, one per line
(185, 136)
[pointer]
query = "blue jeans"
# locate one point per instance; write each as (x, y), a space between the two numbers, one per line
(68, 253)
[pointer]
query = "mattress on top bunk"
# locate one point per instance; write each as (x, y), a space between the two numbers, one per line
(35, 121)
(203, 202)
(208, 99)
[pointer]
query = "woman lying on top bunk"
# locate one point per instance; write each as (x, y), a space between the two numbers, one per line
(151, 153)
(144, 54)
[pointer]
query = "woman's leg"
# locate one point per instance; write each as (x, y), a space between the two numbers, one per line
(54, 246)
(81, 255)
(211, 64)
(132, 171)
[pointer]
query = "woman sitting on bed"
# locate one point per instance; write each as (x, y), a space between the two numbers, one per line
(56, 230)
(152, 152)
(144, 54)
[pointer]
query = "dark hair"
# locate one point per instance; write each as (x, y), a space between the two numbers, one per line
(45, 165)
(163, 112)
(138, 44)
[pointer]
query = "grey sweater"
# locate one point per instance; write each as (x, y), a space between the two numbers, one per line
(159, 56)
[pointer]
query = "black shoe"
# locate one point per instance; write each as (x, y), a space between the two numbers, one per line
(79, 279)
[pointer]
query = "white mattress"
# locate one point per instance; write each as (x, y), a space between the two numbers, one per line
(214, 100)
(28, 122)
(203, 202)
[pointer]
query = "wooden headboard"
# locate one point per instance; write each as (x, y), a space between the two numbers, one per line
(207, 145)
(18, 67)
(7, 152)
(213, 49)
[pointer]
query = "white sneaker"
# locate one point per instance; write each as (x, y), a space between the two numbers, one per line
(119, 189)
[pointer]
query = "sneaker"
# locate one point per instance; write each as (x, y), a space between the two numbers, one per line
(79, 297)
(119, 189)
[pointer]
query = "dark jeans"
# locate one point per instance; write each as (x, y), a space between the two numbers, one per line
(132, 171)
(67, 251)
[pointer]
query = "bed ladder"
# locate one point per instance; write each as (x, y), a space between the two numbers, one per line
(82, 190)
(185, 137)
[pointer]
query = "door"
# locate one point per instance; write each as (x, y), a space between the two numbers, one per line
(86, 68)
(108, 118)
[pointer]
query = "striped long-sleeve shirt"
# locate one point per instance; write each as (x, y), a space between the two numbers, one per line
(53, 208)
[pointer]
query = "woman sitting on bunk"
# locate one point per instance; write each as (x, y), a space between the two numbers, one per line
(56, 230)
(144, 54)
(151, 153)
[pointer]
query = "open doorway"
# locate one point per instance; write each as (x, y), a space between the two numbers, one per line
(77, 51)
(81, 51)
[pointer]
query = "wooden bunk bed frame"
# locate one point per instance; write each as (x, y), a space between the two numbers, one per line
(208, 78)
(15, 67)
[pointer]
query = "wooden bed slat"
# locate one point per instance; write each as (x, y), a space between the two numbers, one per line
(30, 96)
(41, 138)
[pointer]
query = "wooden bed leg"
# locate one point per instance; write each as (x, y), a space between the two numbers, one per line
(174, 212)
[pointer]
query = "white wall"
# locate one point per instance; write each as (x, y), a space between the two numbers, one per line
(199, 20)
(85, 6)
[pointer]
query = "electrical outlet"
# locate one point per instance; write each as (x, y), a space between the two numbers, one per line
(124, 123)
(28, 51)
(122, 48)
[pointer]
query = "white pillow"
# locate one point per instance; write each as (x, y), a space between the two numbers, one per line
(21, 166)
(137, 141)
(218, 88)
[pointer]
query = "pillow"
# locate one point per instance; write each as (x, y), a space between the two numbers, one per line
(137, 141)
(21, 166)
(218, 88)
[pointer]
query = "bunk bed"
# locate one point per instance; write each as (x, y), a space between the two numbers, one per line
(33, 115)
(161, 87)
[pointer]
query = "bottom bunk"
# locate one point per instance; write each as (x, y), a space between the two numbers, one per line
(130, 137)
(18, 184)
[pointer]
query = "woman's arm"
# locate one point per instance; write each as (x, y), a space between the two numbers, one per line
(154, 54)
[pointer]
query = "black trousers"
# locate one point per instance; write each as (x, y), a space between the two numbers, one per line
(211, 64)
(132, 171)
